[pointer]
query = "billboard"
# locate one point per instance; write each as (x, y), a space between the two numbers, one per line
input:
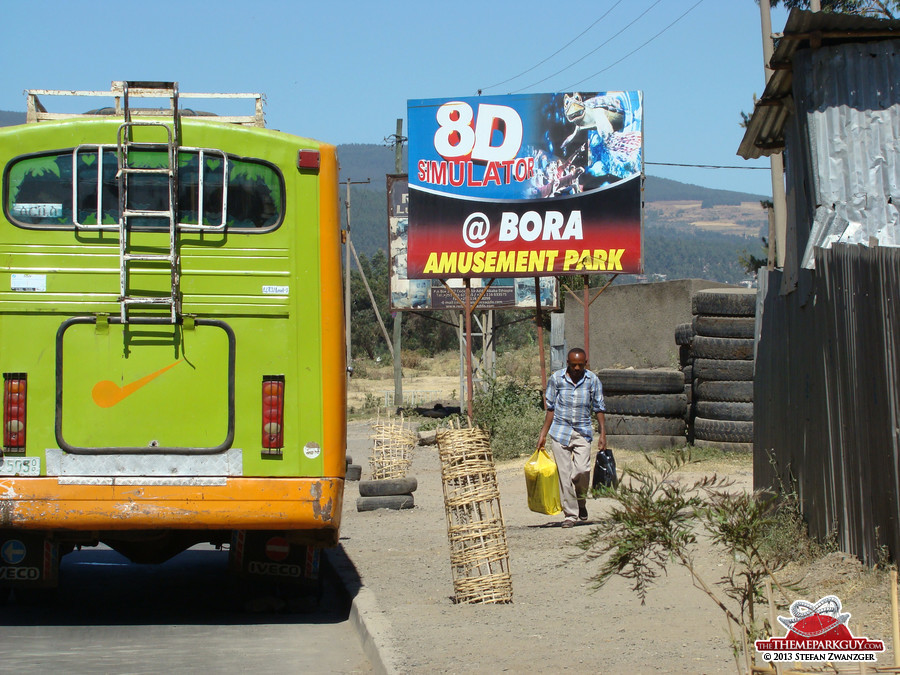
(425, 294)
(525, 185)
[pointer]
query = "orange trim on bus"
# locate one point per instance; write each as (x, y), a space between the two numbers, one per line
(240, 504)
(334, 365)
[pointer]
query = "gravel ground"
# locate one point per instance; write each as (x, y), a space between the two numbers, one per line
(557, 621)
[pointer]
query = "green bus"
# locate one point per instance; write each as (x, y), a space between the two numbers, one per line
(171, 336)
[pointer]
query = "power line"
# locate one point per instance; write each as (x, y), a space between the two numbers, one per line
(569, 43)
(572, 86)
(710, 166)
(602, 44)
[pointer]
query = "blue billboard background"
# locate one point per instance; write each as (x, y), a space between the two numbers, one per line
(524, 147)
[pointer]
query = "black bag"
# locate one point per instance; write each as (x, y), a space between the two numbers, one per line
(605, 470)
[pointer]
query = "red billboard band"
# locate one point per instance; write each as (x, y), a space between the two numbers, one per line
(582, 234)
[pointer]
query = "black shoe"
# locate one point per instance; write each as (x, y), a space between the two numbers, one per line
(582, 512)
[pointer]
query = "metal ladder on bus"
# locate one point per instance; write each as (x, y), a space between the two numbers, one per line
(129, 259)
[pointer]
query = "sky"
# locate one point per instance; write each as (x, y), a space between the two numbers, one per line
(342, 72)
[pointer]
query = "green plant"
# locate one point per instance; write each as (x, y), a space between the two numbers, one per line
(656, 520)
(518, 364)
(706, 453)
(457, 421)
(674, 360)
(789, 535)
(511, 412)
(411, 359)
(372, 402)
(360, 369)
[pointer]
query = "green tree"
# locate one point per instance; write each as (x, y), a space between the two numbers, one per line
(366, 333)
(752, 263)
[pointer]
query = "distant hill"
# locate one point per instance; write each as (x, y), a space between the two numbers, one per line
(366, 160)
(8, 119)
(690, 230)
(658, 189)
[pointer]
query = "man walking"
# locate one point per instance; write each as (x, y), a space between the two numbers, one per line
(573, 393)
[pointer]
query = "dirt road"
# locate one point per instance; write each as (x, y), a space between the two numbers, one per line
(556, 621)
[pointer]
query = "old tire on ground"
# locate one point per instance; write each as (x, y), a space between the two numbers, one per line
(725, 302)
(632, 425)
(354, 472)
(723, 369)
(728, 431)
(724, 390)
(688, 373)
(725, 447)
(670, 405)
(684, 333)
(724, 326)
(722, 348)
(640, 381)
(725, 410)
(393, 502)
(388, 486)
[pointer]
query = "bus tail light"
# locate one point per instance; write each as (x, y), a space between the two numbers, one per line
(14, 390)
(273, 412)
(308, 159)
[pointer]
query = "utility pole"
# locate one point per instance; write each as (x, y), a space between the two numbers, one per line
(347, 254)
(778, 224)
(398, 316)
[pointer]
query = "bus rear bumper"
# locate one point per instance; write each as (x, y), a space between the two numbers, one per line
(286, 504)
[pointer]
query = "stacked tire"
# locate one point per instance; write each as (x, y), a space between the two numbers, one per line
(722, 369)
(645, 408)
(386, 493)
(684, 335)
(353, 471)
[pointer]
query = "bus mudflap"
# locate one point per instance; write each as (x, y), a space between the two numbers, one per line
(28, 559)
(272, 555)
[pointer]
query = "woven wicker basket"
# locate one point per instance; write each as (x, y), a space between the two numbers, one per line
(479, 554)
(392, 449)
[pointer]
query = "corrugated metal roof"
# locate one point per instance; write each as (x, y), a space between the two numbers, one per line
(803, 30)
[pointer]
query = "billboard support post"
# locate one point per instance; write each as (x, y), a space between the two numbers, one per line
(540, 334)
(586, 302)
(587, 320)
(468, 308)
(469, 383)
(398, 316)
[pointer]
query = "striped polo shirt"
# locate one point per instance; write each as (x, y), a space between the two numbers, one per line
(573, 404)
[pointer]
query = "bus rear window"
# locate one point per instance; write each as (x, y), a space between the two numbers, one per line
(40, 189)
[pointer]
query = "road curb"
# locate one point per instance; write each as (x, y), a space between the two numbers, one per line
(371, 624)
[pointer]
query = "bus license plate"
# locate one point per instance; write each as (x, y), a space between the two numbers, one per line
(20, 466)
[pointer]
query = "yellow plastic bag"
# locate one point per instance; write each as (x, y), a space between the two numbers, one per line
(542, 483)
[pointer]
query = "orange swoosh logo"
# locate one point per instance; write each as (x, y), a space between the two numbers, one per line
(106, 393)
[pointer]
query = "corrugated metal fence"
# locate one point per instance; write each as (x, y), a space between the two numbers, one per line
(827, 394)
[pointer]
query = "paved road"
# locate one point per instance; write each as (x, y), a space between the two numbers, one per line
(186, 616)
